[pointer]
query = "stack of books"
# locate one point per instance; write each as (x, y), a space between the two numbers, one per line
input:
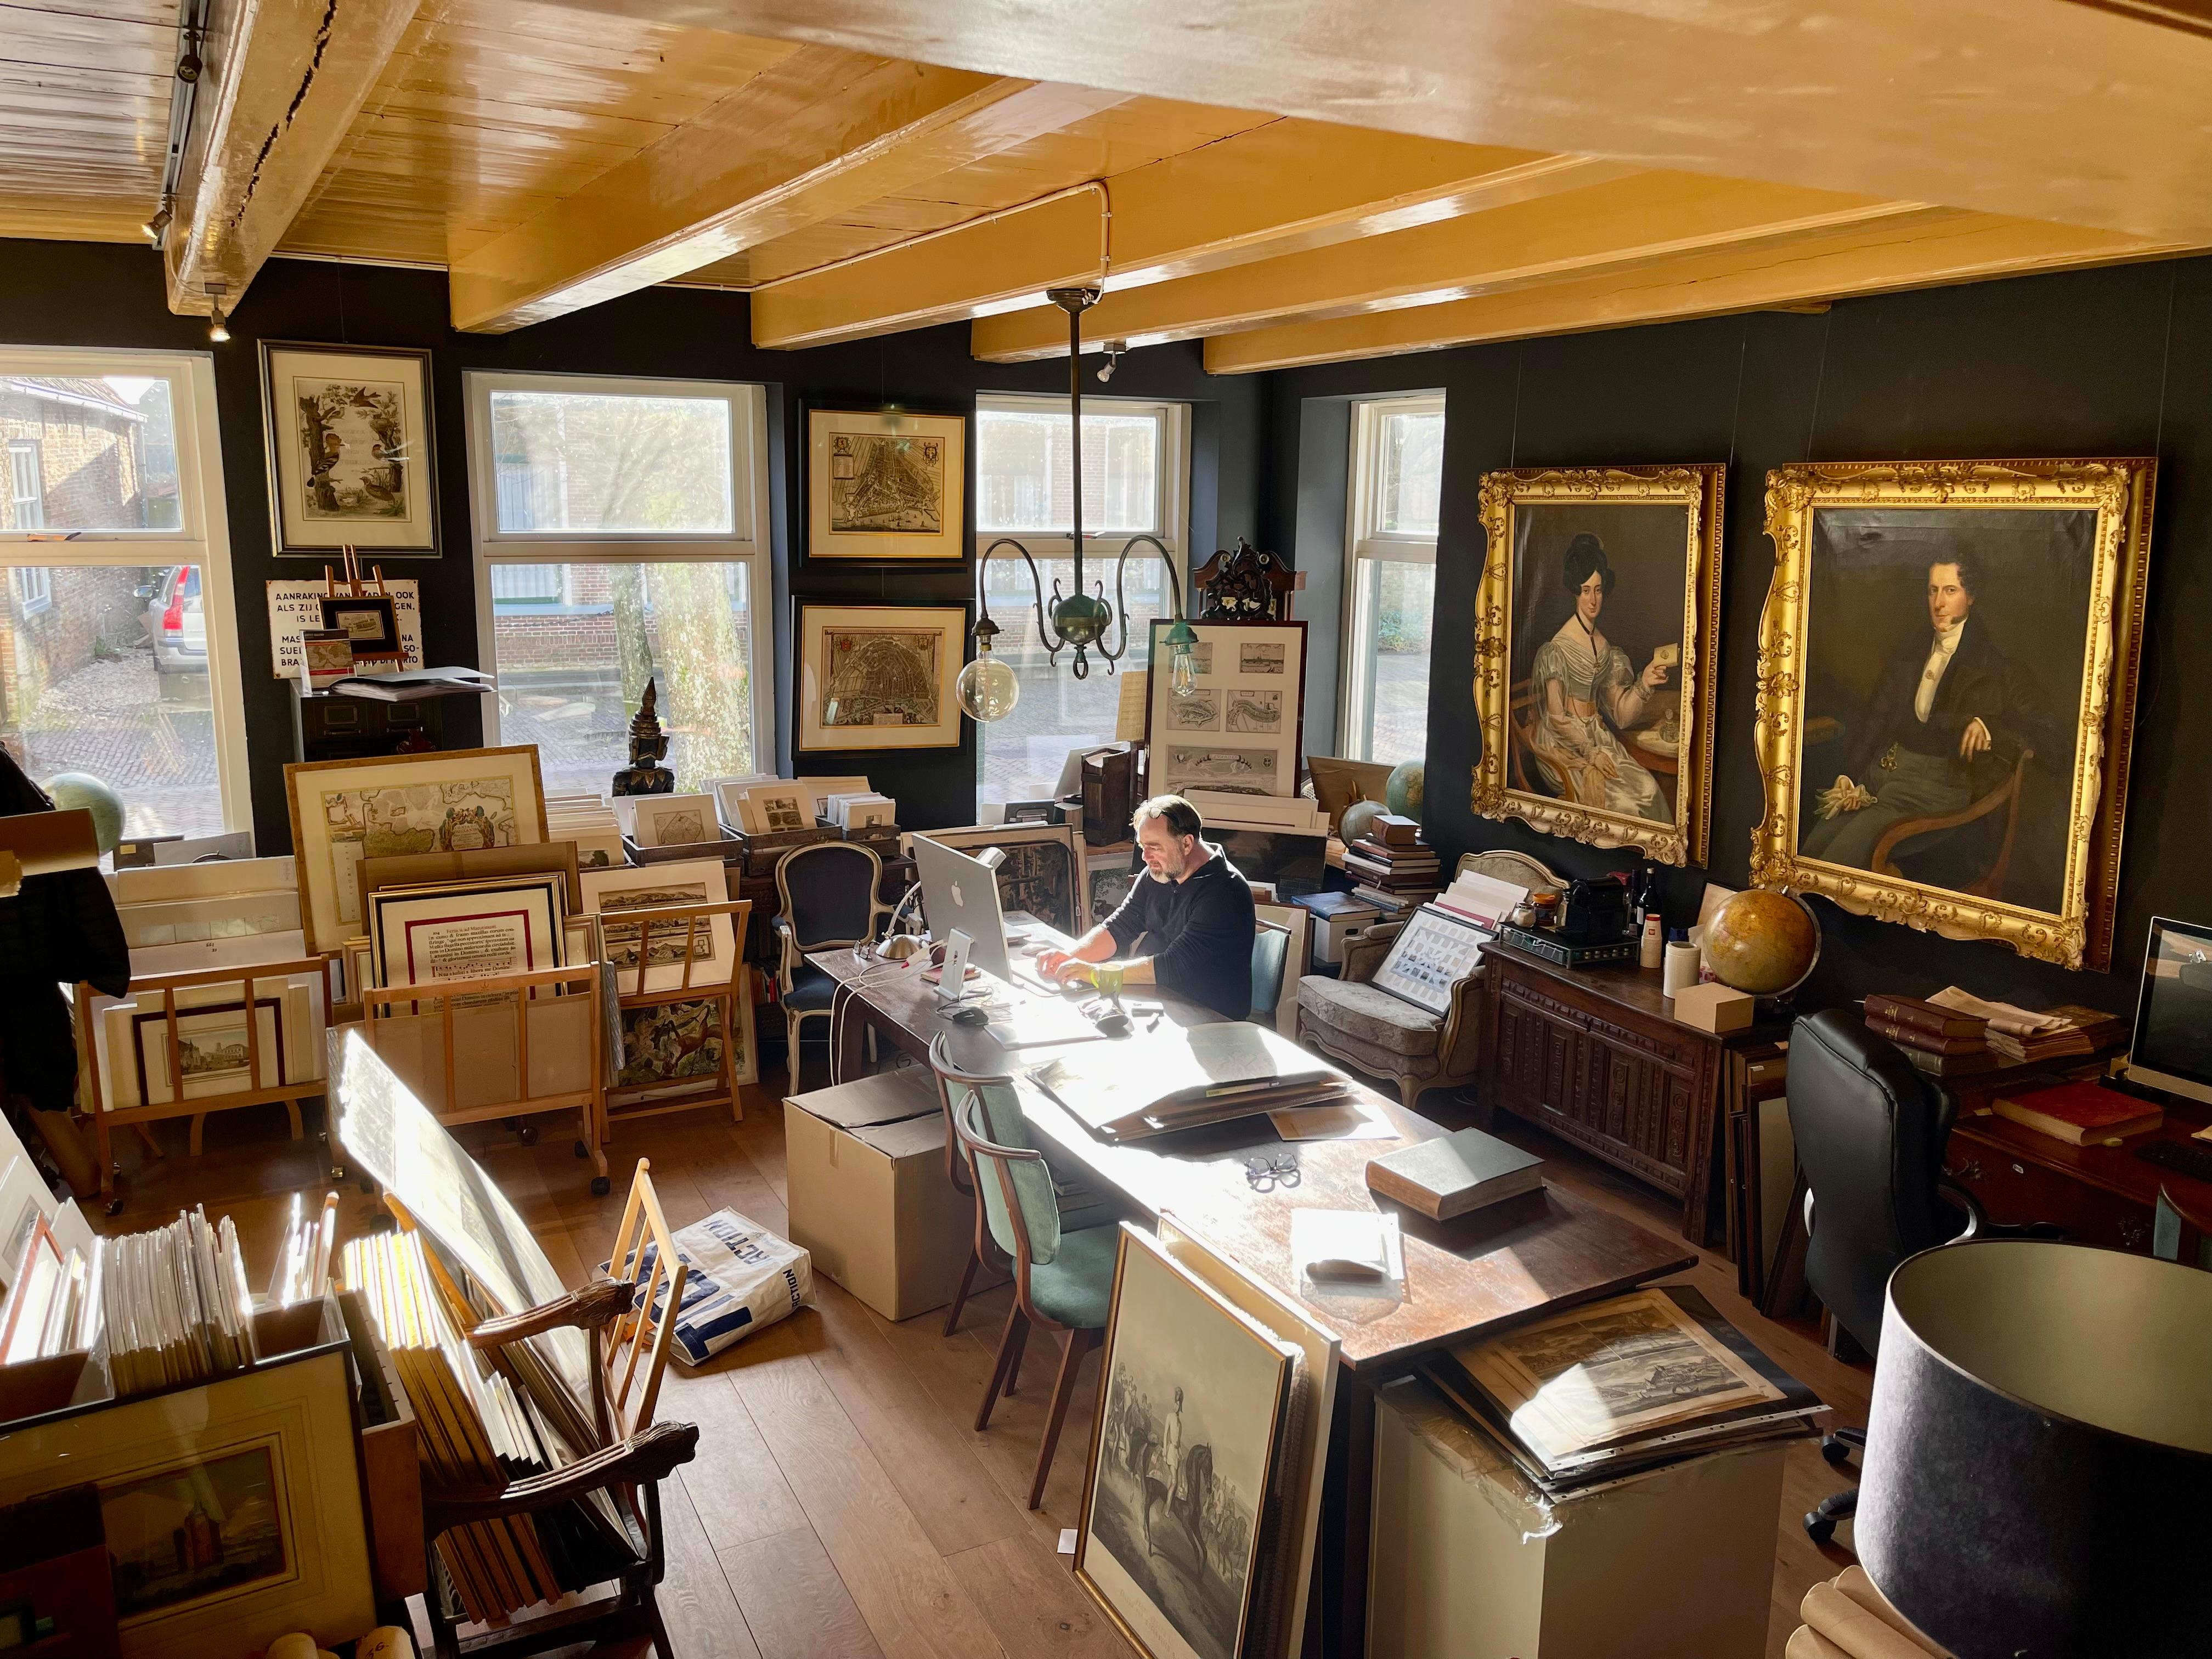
(1178, 1078)
(1940, 1042)
(1621, 1386)
(2020, 1036)
(1392, 866)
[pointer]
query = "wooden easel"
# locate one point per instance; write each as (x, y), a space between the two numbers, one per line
(350, 561)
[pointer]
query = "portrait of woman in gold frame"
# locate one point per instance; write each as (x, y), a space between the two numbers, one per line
(1596, 632)
(1947, 683)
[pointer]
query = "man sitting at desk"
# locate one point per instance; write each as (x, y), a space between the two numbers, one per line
(1192, 908)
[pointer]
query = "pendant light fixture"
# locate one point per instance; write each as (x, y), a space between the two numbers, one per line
(988, 687)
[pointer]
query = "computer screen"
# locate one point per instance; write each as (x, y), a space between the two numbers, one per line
(963, 892)
(2173, 1044)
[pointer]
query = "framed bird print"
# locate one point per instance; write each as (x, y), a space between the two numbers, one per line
(351, 449)
(1948, 665)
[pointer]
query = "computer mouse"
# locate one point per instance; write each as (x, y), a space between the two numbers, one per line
(1113, 1023)
(968, 1014)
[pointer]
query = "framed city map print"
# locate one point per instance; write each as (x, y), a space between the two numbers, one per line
(886, 486)
(1947, 694)
(351, 460)
(879, 676)
(1597, 637)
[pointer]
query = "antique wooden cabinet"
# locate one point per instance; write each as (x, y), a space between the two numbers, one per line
(1595, 1056)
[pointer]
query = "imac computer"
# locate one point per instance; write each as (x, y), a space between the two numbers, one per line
(2172, 1047)
(958, 892)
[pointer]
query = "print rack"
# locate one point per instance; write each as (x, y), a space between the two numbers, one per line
(727, 1003)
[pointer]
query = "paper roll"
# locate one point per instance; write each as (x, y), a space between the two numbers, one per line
(1681, 968)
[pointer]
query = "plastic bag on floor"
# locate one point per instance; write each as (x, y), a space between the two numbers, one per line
(741, 1277)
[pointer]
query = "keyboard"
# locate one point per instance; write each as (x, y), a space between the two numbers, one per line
(2191, 1158)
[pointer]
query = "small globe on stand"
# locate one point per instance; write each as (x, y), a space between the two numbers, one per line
(75, 791)
(1407, 786)
(1358, 820)
(1762, 943)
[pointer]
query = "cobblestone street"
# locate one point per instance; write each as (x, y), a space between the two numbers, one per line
(110, 719)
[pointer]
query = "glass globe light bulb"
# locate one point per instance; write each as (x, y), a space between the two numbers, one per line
(1182, 672)
(988, 688)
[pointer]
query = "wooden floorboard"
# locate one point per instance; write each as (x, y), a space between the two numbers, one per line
(841, 1505)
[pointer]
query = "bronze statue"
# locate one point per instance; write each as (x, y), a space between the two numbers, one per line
(648, 747)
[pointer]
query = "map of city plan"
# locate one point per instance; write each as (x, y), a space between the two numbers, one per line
(417, 818)
(883, 678)
(886, 483)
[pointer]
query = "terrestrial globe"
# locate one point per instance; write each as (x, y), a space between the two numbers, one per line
(1358, 820)
(80, 792)
(1763, 943)
(1408, 783)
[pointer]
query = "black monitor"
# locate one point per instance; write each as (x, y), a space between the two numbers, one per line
(2171, 1049)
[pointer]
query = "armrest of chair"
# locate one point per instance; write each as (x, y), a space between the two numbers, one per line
(786, 959)
(650, 1455)
(1364, 953)
(1979, 1225)
(599, 1303)
(1460, 1044)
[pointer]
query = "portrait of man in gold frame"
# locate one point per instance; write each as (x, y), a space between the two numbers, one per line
(1596, 635)
(1947, 684)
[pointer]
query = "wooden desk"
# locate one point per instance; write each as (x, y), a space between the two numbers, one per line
(1541, 1252)
(1595, 1056)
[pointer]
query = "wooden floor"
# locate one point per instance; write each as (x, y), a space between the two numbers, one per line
(841, 1506)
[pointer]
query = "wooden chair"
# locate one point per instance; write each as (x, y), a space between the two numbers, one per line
(826, 896)
(1522, 712)
(2005, 798)
(635, 1352)
(1063, 1279)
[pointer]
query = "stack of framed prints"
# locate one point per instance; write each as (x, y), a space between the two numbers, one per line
(879, 676)
(1201, 1502)
(1240, 732)
(424, 935)
(345, 810)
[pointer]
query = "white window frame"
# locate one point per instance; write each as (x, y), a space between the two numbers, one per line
(1364, 540)
(34, 588)
(19, 450)
(1174, 480)
(746, 543)
(202, 538)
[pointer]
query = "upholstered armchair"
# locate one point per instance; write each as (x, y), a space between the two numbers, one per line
(1372, 1032)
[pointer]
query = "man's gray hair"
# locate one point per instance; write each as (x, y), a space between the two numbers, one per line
(1181, 818)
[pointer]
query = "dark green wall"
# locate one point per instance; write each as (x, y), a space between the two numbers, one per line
(2106, 362)
(93, 295)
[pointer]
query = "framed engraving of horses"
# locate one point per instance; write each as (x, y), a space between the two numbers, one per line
(1596, 635)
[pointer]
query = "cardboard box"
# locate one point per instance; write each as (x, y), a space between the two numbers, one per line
(1712, 1006)
(869, 1197)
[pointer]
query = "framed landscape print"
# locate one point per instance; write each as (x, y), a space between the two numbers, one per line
(1947, 687)
(886, 486)
(879, 676)
(1175, 1502)
(351, 448)
(1240, 732)
(345, 810)
(1596, 635)
(656, 886)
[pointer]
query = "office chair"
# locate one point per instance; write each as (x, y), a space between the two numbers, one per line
(1869, 1132)
(827, 895)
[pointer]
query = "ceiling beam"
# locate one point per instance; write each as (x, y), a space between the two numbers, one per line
(281, 84)
(1935, 246)
(1285, 187)
(2081, 113)
(819, 134)
(1621, 223)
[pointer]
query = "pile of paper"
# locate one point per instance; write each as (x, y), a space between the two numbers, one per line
(53, 1301)
(1179, 1078)
(1288, 815)
(589, 822)
(2025, 1037)
(860, 809)
(175, 1304)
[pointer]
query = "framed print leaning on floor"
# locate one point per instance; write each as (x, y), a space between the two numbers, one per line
(351, 460)
(879, 676)
(1946, 690)
(1596, 636)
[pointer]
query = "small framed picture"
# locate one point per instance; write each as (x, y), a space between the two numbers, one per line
(351, 449)
(886, 486)
(325, 657)
(370, 623)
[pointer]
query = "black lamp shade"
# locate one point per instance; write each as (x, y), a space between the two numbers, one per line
(2040, 1441)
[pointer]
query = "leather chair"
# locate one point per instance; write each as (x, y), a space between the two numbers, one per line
(1869, 1131)
(827, 895)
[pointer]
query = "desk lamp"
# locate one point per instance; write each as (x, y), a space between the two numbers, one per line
(2040, 1433)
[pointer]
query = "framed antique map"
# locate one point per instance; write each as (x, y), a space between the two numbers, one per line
(345, 810)
(1240, 730)
(886, 486)
(351, 449)
(657, 886)
(879, 676)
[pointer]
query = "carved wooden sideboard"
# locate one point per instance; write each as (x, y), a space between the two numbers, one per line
(1595, 1056)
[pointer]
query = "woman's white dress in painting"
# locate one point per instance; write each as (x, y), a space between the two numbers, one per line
(1566, 759)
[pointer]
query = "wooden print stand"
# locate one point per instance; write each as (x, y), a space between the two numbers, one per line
(580, 981)
(164, 987)
(721, 1089)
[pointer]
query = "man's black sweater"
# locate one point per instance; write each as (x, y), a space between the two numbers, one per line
(1201, 931)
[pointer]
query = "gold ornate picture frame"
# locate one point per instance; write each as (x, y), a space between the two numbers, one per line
(1597, 637)
(1947, 667)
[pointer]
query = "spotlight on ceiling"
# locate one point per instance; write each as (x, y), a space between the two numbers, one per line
(218, 330)
(1115, 352)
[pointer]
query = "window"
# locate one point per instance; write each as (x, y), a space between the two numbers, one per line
(620, 536)
(1135, 481)
(118, 658)
(25, 489)
(1397, 474)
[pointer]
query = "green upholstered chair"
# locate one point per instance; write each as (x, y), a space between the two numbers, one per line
(1063, 1277)
(1271, 947)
